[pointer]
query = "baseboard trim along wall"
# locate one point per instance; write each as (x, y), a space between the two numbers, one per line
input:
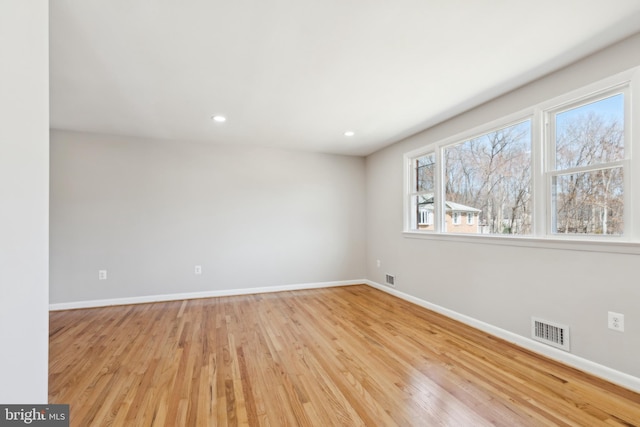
(601, 371)
(195, 295)
(604, 372)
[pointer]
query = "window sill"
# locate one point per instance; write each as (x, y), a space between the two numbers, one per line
(569, 244)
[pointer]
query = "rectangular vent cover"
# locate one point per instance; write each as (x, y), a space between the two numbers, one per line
(550, 333)
(391, 280)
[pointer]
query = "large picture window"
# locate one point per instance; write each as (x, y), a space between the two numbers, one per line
(557, 170)
(491, 173)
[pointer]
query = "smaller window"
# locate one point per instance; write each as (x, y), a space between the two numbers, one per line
(423, 217)
(423, 188)
(469, 218)
(456, 218)
(426, 217)
(587, 178)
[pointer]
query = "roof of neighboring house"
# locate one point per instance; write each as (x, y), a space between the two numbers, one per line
(459, 207)
(427, 199)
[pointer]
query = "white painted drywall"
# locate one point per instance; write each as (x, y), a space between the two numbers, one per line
(503, 285)
(24, 174)
(148, 211)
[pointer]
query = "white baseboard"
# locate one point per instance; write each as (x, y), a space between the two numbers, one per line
(195, 295)
(604, 372)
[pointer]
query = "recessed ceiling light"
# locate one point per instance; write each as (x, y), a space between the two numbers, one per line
(349, 133)
(219, 119)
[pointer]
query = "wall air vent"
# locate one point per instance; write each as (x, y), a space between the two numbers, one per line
(390, 280)
(550, 333)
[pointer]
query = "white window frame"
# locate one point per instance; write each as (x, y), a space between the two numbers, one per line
(575, 100)
(541, 173)
(411, 216)
(470, 216)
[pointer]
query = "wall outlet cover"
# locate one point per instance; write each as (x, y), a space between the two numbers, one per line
(616, 321)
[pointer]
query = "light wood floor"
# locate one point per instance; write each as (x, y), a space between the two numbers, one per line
(341, 356)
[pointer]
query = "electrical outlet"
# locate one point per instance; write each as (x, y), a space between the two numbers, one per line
(102, 274)
(197, 270)
(378, 263)
(616, 321)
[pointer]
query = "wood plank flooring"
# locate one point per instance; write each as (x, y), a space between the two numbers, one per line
(346, 356)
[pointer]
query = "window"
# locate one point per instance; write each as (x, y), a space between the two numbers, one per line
(426, 217)
(559, 169)
(587, 171)
(492, 173)
(422, 194)
(423, 216)
(456, 218)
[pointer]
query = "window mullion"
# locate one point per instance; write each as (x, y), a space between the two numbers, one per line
(438, 208)
(539, 148)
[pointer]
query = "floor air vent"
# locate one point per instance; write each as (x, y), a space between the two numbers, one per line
(391, 280)
(550, 333)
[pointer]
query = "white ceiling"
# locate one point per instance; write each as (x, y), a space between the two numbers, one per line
(299, 73)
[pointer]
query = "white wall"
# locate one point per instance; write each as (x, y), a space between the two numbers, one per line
(24, 138)
(148, 211)
(503, 285)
